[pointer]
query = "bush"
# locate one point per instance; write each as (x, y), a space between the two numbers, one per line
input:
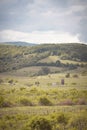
(26, 102)
(79, 122)
(7, 104)
(1, 81)
(44, 71)
(4, 103)
(45, 101)
(1, 101)
(67, 75)
(40, 123)
(62, 119)
(59, 121)
(11, 81)
(75, 76)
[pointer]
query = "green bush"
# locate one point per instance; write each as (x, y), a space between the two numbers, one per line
(79, 122)
(59, 121)
(25, 102)
(62, 118)
(4, 103)
(40, 123)
(1, 101)
(45, 101)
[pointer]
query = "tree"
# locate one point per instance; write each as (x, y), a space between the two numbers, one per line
(44, 71)
(58, 63)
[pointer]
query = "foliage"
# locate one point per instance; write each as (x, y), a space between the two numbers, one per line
(40, 123)
(67, 75)
(4, 103)
(25, 102)
(79, 122)
(17, 57)
(44, 71)
(1, 101)
(45, 101)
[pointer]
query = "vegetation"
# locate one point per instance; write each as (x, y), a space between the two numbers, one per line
(17, 57)
(52, 121)
(43, 87)
(28, 103)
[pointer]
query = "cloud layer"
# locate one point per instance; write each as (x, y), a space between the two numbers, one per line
(44, 16)
(38, 37)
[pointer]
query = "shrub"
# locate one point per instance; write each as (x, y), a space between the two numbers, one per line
(1, 81)
(37, 83)
(75, 76)
(7, 104)
(1, 101)
(22, 88)
(45, 101)
(13, 90)
(73, 83)
(67, 75)
(4, 103)
(44, 71)
(11, 81)
(40, 123)
(59, 121)
(26, 102)
(62, 119)
(79, 122)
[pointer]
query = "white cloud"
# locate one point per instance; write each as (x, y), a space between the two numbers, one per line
(38, 36)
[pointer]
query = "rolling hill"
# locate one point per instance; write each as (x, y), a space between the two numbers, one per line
(19, 43)
(68, 56)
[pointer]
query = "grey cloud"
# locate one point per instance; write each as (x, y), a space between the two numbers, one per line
(31, 15)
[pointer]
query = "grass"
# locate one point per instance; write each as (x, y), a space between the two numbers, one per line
(20, 118)
(19, 91)
(54, 58)
(49, 86)
(32, 71)
(41, 110)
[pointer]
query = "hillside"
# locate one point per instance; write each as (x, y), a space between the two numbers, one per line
(18, 43)
(69, 56)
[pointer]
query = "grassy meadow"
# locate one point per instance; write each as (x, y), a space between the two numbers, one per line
(27, 100)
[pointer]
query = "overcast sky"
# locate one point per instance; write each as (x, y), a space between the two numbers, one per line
(43, 21)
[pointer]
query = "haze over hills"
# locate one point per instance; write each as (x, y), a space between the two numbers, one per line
(18, 43)
(66, 56)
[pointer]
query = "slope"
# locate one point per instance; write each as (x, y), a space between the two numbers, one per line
(58, 55)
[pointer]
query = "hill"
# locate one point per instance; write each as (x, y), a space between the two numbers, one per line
(19, 43)
(68, 56)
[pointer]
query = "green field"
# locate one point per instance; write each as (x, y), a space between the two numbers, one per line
(25, 99)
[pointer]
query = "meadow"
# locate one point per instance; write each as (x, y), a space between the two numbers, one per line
(44, 102)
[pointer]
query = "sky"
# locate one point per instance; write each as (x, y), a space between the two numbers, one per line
(43, 21)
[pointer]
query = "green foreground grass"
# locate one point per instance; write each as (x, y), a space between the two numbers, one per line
(44, 118)
(43, 102)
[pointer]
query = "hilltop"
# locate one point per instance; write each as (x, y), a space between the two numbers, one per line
(65, 56)
(18, 43)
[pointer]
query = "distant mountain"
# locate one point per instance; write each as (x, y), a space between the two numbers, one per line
(18, 43)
